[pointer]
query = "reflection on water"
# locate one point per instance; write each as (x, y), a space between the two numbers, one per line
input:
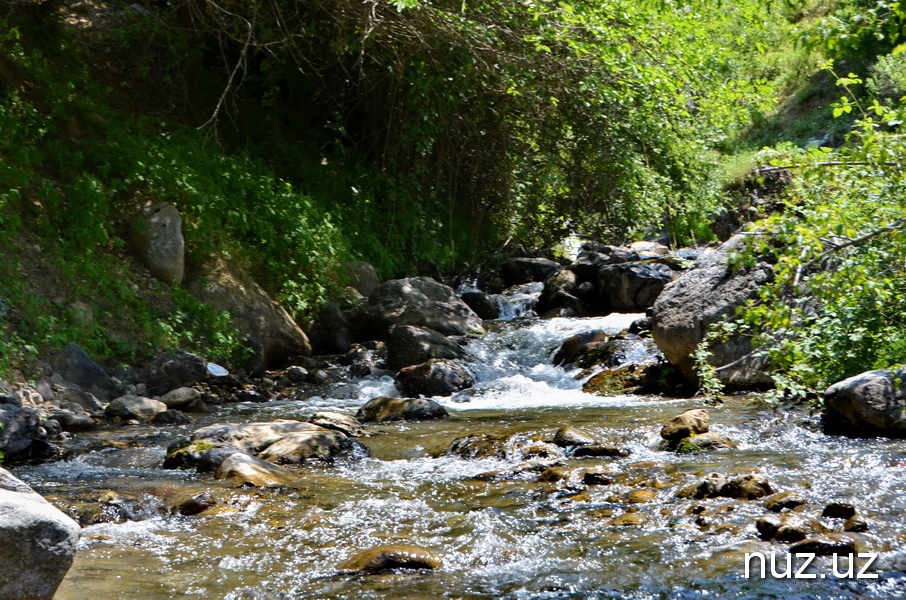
(500, 539)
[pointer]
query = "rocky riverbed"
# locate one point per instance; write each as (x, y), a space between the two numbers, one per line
(544, 466)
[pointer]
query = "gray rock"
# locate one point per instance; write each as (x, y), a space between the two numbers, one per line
(362, 276)
(871, 403)
(180, 398)
(158, 241)
(418, 301)
(411, 345)
(526, 270)
(383, 409)
(345, 424)
(589, 262)
(172, 370)
(73, 365)
(74, 422)
(272, 334)
(317, 445)
(482, 304)
(18, 430)
(568, 437)
(250, 437)
(701, 297)
(65, 394)
(171, 417)
(563, 282)
(437, 377)
(133, 407)
(574, 347)
(242, 469)
(37, 542)
(632, 287)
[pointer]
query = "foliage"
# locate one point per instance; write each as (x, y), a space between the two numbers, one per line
(461, 124)
(859, 31)
(837, 305)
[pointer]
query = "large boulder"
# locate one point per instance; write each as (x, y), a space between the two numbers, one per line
(871, 403)
(271, 332)
(589, 262)
(304, 446)
(73, 365)
(18, 430)
(526, 270)
(632, 287)
(411, 345)
(173, 370)
(360, 275)
(703, 296)
(133, 407)
(158, 242)
(418, 301)
(250, 437)
(37, 542)
(437, 377)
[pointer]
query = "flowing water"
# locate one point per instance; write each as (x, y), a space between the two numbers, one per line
(516, 539)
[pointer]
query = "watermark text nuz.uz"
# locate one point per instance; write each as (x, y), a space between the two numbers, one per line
(794, 566)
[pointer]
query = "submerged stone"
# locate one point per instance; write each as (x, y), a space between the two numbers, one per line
(390, 558)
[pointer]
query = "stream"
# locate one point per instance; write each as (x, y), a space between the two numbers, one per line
(516, 539)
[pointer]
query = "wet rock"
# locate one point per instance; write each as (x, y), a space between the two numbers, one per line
(480, 445)
(702, 296)
(18, 430)
(632, 519)
(243, 469)
(482, 305)
(383, 409)
(437, 377)
(706, 442)
(614, 382)
(410, 345)
(320, 444)
(768, 526)
(615, 352)
(75, 422)
(180, 398)
(185, 453)
(856, 524)
(252, 438)
(632, 287)
(562, 284)
(567, 437)
(829, 544)
(712, 486)
(525, 270)
(527, 470)
(73, 365)
(345, 424)
(575, 346)
(868, 404)
(641, 496)
(839, 510)
(133, 407)
(600, 451)
(795, 528)
(173, 370)
(329, 332)
(555, 474)
(195, 505)
(750, 486)
(418, 301)
(598, 476)
(391, 557)
(296, 374)
(691, 422)
(171, 418)
(37, 542)
(785, 501)
(589, 262)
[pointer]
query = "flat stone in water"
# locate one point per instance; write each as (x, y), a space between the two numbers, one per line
(391, 557)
